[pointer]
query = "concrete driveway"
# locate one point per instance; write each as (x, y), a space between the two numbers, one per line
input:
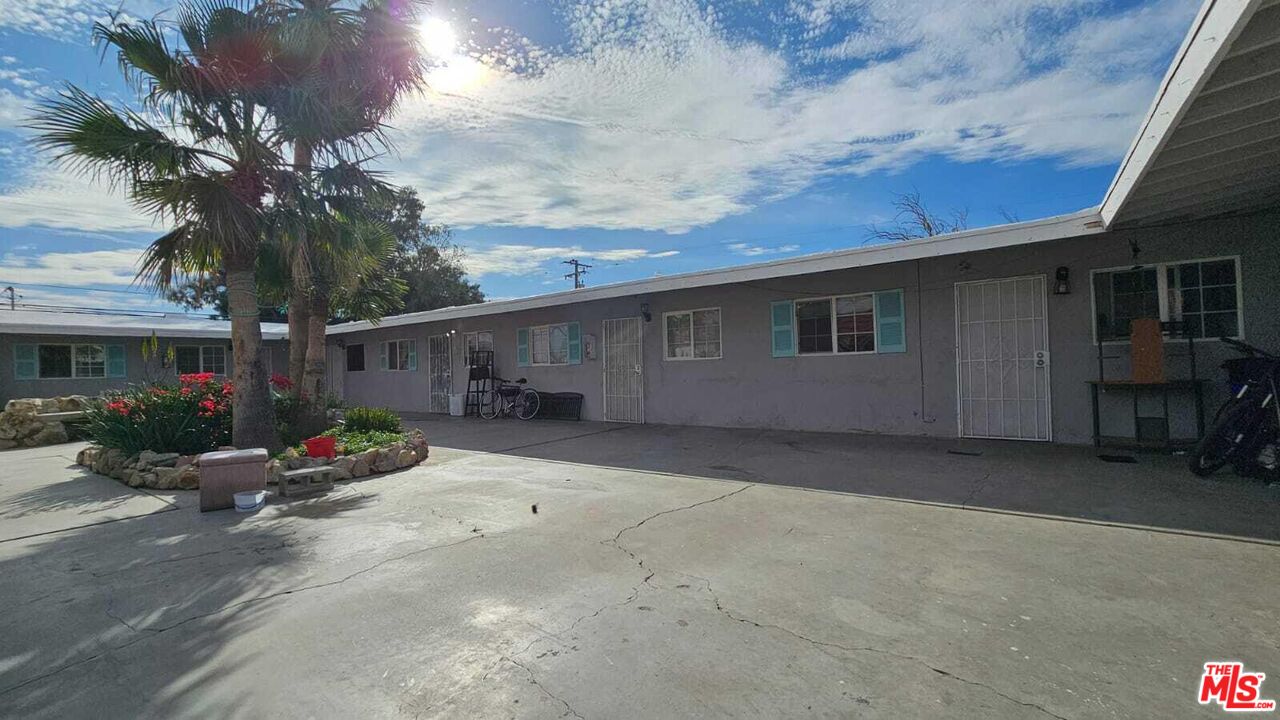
(666, 573)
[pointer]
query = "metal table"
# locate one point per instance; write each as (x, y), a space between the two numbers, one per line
(1165, 389)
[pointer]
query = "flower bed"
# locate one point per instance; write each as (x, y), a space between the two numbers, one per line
(189, 418)
(172, 471)
(153, 436)
(358, 460)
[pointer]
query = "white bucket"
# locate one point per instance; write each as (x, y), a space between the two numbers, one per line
(251, 501)
(457, 405)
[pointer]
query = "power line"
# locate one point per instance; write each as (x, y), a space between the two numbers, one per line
(88, 310)
(81, 288)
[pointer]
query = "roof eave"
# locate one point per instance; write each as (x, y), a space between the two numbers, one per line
(1215, 28)
(1084, 222)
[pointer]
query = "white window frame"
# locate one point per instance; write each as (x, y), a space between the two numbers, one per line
(1162, 291)
(533, 331)
(666, 351)
(200, 352)
(386, 348)
(468, 337)
(835, 336)
(73, 375)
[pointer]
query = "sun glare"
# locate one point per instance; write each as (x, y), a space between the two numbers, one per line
(438, 38)
(454, 71)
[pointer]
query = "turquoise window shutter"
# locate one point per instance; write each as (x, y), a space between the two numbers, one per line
(891, 323)
(522, 347)
(413, 355)
(26, 365)
(115, 361)
(783, 315)
(575, 344)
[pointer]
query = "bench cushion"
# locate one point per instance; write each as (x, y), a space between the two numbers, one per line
(233, 457)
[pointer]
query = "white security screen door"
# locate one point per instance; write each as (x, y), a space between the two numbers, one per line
(440, 365)
(1002, 355)
(623, 370)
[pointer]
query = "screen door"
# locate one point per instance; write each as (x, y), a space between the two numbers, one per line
(1002, 354)
(623, 370)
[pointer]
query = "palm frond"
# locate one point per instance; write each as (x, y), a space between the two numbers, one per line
(92, 137)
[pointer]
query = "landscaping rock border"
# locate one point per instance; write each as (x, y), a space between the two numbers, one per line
(21, 424)
(171, 471)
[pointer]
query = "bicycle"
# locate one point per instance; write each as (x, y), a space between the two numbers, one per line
(1246, 429)
(510, 398)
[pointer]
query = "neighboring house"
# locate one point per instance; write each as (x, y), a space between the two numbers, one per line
(45, 354)
(968, 334)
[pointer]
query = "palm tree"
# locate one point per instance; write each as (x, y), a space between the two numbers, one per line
(347, 69)
(349, 252)
(198, 156)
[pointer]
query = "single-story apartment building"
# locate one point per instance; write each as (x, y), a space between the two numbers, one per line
(982, 334)
(56, 353)
(991, 333)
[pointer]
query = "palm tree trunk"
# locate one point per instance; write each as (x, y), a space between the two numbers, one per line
(299, 316)
(314, 392)
(253, 421)
(300, 292)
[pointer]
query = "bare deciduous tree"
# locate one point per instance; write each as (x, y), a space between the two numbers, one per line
(914, 220)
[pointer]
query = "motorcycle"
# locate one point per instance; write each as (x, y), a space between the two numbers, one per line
(1246, 430)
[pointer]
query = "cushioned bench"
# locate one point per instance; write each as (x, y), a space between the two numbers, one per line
(224, 473)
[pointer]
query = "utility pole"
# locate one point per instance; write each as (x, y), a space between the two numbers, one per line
(579, 269)
(13, 297)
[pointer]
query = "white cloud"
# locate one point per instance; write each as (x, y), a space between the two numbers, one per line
(70, 19)
(95, 267)
(757, 250)
(52, 197)
(531, 259)
(658, 117)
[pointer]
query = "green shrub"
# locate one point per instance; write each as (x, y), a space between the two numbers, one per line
(287, 408)
(351, 442)
(363, 419)
(191, 417)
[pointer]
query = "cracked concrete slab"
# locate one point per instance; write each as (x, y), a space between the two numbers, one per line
(42, 490)
(436, 592)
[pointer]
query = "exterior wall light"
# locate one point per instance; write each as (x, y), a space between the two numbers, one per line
(644, 312)
(1062, 281)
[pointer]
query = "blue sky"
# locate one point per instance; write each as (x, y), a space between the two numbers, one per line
(654, 137)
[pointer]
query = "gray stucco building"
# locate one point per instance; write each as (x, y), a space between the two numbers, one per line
(955, 336)
(987, 333)
(46, 354)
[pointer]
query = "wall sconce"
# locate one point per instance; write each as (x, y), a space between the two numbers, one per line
(342, 343)
(1062, 281)
(644, 312)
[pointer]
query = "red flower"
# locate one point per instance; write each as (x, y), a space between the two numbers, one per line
(228, 389)
(186, 391)
(120, 406)
(281, 382)
(195, 378)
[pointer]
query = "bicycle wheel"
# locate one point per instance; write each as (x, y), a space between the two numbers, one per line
(527, 404)
(1234, 425)
(490, 405)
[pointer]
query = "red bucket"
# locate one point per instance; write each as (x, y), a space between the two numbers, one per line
(322, 446)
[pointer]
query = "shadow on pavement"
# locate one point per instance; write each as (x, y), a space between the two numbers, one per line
(1066, 482)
